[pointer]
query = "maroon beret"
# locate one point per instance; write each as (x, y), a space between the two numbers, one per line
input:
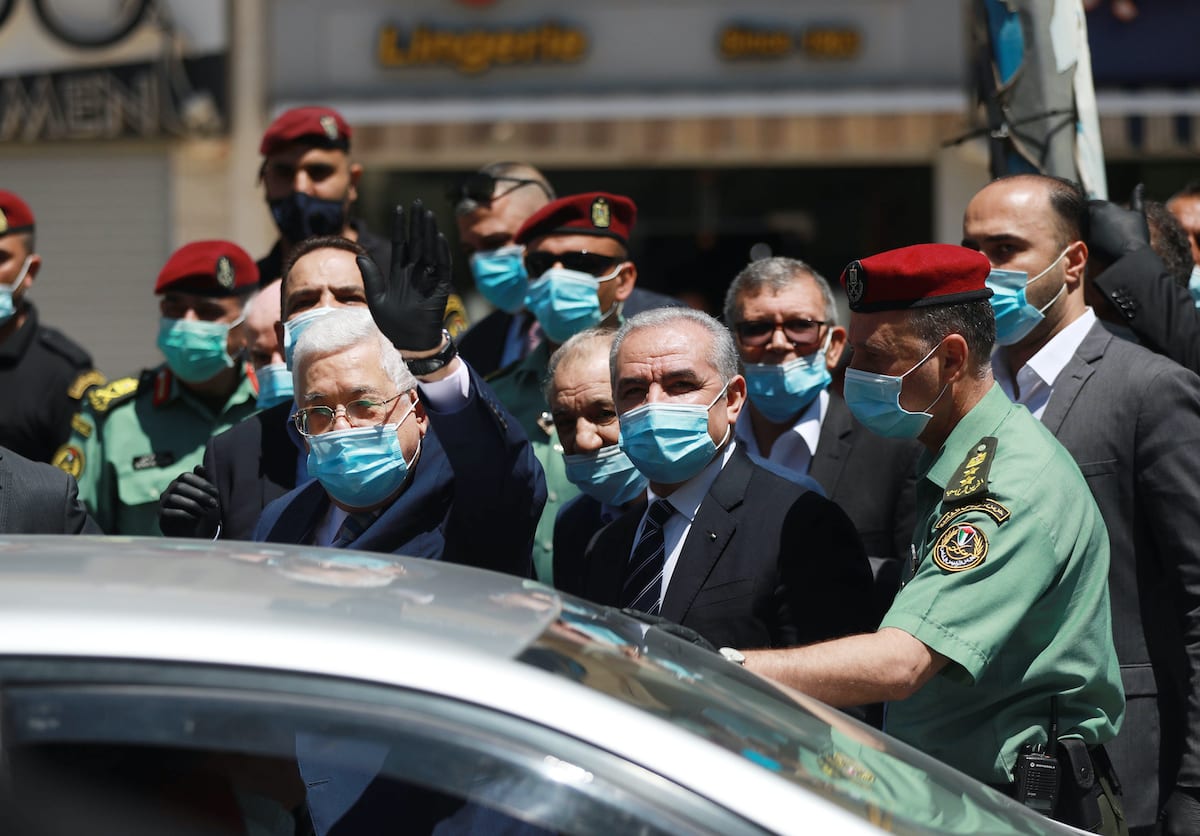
(916, 277)
(209, 268)
(15, 214)
(320, 126)
(594, 213)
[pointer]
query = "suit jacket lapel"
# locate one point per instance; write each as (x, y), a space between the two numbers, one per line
(1071, 379)
(833, 445)
(607, 565)
(711, 531)
(298, 521)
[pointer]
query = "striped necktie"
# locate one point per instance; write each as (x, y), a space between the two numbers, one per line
(353, 526)
(642, 589)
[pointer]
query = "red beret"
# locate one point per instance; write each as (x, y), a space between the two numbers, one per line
(320, 126)
(209, 268)
(15, 214)
(916, 277)
(594, 213)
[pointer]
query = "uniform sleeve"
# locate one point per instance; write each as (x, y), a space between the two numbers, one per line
(83, 457)
(976, 581)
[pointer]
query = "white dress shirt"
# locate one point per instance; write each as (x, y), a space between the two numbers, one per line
(685, 502)
(794, 450)
(1035, 380)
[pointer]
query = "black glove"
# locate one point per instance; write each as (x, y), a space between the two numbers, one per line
(409, 306)
(667, 626)
(1181, 815)
(1116, 232)
(190, 506)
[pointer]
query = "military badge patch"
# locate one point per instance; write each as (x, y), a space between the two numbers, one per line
(960, 547)
(836, 764)
(103, 398)
(225, 272)
(149, 460)
(855, 283)
(69, 459)
(329, 126)
(80, 425)
(601, 213)
(989, 506)
(3, 222)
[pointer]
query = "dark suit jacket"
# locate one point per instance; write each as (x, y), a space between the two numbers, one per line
(874, 480)
(251, 463)
(474, 496)
(1131, 419)
(37, 498)
(1159, 311)
(766, 564)
(483, 344)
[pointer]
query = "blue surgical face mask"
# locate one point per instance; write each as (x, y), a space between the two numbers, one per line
(780, 391)
(1015, 317)
(294, 327)
(1194, 285)
(501, 278)
(565, 301)
(874, 399)
(196, 350)
(299, 216)
(8, 305)
(360, 467)
(606, 475)
(669, 442)
(274, 385)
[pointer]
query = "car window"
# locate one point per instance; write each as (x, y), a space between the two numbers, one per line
(281, 759)
(810, 744)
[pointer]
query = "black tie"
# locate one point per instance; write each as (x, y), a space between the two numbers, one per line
(642, 589)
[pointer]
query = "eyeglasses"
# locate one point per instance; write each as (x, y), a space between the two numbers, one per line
(315, 420)
(480, 188)
(594, 264)
(759, 332)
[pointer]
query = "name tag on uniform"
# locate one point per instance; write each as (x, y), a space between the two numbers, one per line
(149, 460)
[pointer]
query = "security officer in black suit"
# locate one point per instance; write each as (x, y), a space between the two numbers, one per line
(52, 370)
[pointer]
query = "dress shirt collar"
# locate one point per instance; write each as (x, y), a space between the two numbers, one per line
(687, 497)
(807, 426)
(1045, 366)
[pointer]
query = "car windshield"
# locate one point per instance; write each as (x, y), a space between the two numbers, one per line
(797, 738)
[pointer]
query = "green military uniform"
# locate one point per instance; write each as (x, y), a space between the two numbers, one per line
(1010, 583)
(134, 436)
(519, 387)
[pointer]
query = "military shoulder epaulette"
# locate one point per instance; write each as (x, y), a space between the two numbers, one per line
(84, 381)
(970, 480)
(63, 346)
(104, 398)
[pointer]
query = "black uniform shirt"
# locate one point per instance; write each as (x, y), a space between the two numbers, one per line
(42, 377)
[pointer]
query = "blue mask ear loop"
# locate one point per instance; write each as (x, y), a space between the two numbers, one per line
(1049, 267)
(617, 306)
(920, 363)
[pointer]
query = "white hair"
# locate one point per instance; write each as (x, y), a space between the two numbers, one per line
(345, 328)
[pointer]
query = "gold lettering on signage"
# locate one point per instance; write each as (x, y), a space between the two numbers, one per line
(745, 42)
(474, 51)
(828, 42)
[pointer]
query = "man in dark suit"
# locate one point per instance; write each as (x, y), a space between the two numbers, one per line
(367, 401)
(1131, 419)
(784, 323)
(741, 555)
(37, 498)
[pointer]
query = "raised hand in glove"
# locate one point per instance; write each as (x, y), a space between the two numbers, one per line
(1115, 231)
(408, 306)
(668, 626)
(1181, 815)
(190, 506)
